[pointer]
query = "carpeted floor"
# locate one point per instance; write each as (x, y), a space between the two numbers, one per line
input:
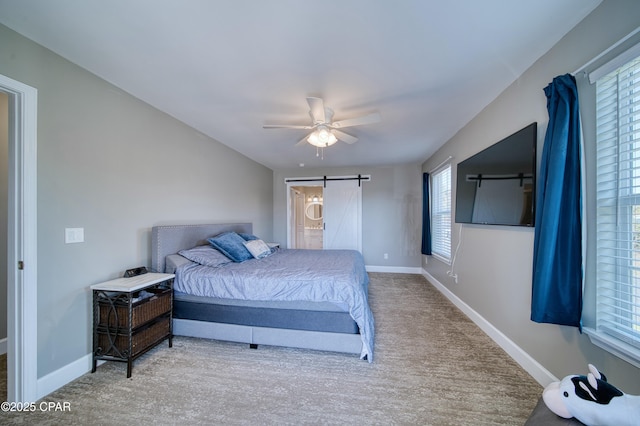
(3, 378)
(432, 366)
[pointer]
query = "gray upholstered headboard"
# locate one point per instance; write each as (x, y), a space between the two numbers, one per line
(170, 239)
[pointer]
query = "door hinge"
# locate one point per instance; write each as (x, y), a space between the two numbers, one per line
(20, 265)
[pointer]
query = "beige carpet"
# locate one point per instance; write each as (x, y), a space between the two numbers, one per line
(3, 378)
(432, 366)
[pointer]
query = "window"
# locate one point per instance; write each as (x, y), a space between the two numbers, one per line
(441, 213)
(618, 211)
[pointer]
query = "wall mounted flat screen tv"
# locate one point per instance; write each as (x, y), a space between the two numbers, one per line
(497, 185)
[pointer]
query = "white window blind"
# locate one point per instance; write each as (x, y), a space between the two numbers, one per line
(441, 212)
(618, 207)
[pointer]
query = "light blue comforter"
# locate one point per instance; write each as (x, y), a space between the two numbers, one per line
(337, 276)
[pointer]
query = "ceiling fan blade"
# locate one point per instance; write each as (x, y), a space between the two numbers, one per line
(328, 114)
(358, 121)
(302, 141)
(344, 137)
(286, 126)
(316, 110)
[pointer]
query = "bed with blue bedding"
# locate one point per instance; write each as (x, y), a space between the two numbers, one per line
(315, 299)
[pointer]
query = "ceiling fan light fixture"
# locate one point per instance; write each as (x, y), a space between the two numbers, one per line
(324, 131)
(322, 137)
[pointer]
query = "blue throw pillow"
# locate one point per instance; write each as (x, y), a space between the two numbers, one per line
(231, 245)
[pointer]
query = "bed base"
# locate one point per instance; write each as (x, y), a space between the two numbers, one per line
(317, 340)
(270, 317)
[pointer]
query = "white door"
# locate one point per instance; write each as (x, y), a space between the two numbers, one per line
(342, 215)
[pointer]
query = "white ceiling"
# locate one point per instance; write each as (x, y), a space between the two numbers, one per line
(228, 67)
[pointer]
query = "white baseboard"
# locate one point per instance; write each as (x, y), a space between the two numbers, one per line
(394, 269)
(56, 379)
(3, 346)
(530, 365)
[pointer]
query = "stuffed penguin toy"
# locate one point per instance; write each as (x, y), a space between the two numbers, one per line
(592, 400)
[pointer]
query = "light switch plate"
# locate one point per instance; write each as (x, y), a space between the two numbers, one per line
(73, 235)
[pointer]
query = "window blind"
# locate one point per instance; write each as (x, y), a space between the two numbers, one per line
(441, 212)
(618, 205)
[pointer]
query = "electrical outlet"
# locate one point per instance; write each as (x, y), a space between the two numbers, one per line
(386, 256)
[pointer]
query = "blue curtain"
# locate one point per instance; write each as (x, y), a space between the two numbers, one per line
(557, 246)
(426, 219)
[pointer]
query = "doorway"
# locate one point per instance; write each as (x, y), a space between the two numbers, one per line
(22, 241)
(4, 209)
(325, 212)
(307, 217)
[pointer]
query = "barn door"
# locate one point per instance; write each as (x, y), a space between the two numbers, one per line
(342, 212)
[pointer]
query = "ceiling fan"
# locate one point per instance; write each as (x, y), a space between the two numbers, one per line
(326, 132)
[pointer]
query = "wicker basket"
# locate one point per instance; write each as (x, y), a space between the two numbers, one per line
(117, 345)
(117, 315)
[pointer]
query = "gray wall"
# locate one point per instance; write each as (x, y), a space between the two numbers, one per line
(115, 166)
(494, 263)
(391, 210)
(4, 209)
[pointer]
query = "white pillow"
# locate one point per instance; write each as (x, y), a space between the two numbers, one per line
(258, 248)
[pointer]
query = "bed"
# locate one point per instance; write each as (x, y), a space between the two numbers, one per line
(312, 299)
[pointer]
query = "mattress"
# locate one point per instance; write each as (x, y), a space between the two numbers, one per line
(295, 315)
